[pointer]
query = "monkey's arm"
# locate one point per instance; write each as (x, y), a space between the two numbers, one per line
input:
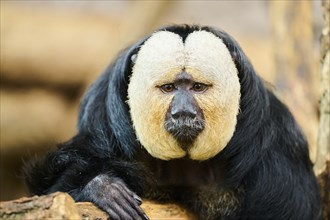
(87, 175)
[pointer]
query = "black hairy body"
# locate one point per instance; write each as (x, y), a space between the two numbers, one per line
(264, 172)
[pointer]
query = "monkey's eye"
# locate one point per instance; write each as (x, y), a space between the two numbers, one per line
(166, 88)
(199, 87)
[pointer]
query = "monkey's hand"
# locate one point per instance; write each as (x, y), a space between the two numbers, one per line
(113, 196)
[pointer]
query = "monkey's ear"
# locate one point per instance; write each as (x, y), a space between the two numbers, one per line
(104, 112)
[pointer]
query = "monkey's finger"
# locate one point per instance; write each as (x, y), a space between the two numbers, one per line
(120, 211)
(112, 214)
(130, 204)
(132, 210)
(135, 210)
(126, 209)
(130, 193)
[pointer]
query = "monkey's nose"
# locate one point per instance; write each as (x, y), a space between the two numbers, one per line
(184, 106)
(184, 112)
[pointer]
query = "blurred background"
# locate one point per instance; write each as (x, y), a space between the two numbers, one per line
(51, 51)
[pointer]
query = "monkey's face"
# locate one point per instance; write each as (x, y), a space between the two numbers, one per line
(184, 96)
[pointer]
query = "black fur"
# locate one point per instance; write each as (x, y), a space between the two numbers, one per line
(263, 173)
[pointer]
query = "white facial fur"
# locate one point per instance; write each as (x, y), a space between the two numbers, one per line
(160, 59)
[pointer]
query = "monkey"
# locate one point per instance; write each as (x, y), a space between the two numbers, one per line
(181, 116)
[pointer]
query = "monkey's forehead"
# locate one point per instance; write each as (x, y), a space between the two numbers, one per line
(166, 52)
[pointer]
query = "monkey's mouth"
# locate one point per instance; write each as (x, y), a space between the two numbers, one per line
(185, 129)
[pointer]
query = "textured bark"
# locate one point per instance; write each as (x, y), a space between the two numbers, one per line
(154, 211)
(324, 183)
(55, 206)
(322, 166)
(61, 206)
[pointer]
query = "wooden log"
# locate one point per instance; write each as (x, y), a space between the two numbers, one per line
(153, 210)
(324, 183)
(61, 206)
(54, 206)
(322, 166)
(323, 153)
